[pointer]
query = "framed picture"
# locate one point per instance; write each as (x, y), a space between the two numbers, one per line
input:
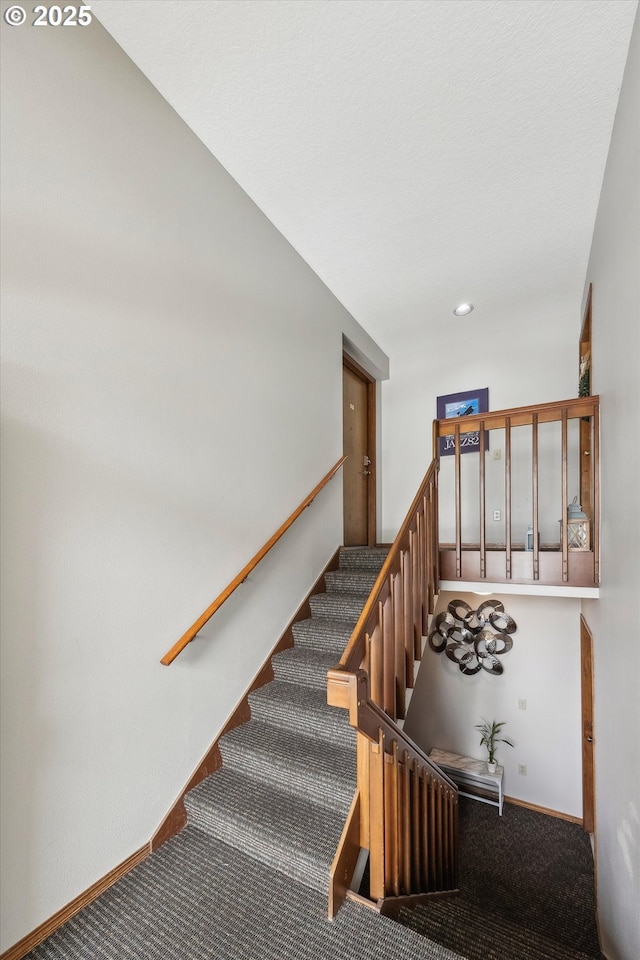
(465, 404)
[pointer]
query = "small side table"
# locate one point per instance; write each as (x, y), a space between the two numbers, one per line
(471, 777)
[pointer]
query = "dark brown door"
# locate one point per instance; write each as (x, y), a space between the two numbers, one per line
(588, 785)
(358, 477)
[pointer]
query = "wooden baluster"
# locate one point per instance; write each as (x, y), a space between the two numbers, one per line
(458, 503)
(376, 819)
(424, 585)
(435, 545)
(436, 539)
(407, 620)
(391, 837)
(425, 872)
(421, 572)
(534, 495)
(420, 556)
(445, 837)
(366, 660)
(507, 495)
(439, 838)
(376, 675)
(483, 519)
(428, 567)
(400, 668)
(454, 840)
(565, 499)
(363, 751)
(416, 831)
(388, 656)
(449, 853)
(404, 812)
(595, 486)
(433, 877)
(415, 592)
(444, 859)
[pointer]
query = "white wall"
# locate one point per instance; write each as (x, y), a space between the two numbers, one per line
(524, 353)
(171, 391)
(613, 270)
(543, 668)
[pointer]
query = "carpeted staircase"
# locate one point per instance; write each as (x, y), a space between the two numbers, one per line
(248, 876)
(288, 775)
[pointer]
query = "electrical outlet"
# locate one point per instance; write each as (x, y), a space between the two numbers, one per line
(496, 454)
(497, 515)
(522, 769)
(522, 704)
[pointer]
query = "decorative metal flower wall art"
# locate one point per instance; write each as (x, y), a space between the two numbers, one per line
(474, 639)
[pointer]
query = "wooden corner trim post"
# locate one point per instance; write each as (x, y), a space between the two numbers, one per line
(345, 859)
(342, 691)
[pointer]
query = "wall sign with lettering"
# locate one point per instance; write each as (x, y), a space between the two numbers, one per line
(465, 404)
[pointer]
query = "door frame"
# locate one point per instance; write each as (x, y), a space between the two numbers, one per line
(586, 726)
(585, 346)
(372, 499)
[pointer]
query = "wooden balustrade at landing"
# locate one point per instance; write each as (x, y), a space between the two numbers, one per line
(405, 809)
(551, 563)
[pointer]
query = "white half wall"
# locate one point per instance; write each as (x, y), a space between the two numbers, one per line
(542, 668)
(614, 270)
(171, 389)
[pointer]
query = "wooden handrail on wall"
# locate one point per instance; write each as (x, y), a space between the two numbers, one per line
(564, 566)
(193, 630)
(405, 808)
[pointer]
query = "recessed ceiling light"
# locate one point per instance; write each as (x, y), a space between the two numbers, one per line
(463, 309)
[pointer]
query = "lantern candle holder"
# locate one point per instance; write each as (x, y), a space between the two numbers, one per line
(578, 527)
(578, 535)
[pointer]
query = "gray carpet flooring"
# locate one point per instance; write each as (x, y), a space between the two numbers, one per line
(248, 877)
(198, 899)
(526, 889)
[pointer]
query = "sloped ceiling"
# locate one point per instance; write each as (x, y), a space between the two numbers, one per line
(416, 153)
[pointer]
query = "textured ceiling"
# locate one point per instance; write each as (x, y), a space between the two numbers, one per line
(416, 153)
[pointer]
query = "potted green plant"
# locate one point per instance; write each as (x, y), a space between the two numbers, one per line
(490, 737)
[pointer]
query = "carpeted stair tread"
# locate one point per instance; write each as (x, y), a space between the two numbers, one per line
(199, 899)
(306, 666)
(300, 708)
(495, 937)
(290, 833)
(363, 558)
(345, 607)
(310, 768)
(350, 581)
(320, 634)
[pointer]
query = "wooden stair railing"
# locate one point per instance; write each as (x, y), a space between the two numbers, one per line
(405, 809)
(193, 630)
(553, 563)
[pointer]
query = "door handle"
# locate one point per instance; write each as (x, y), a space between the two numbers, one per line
(589, 739)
